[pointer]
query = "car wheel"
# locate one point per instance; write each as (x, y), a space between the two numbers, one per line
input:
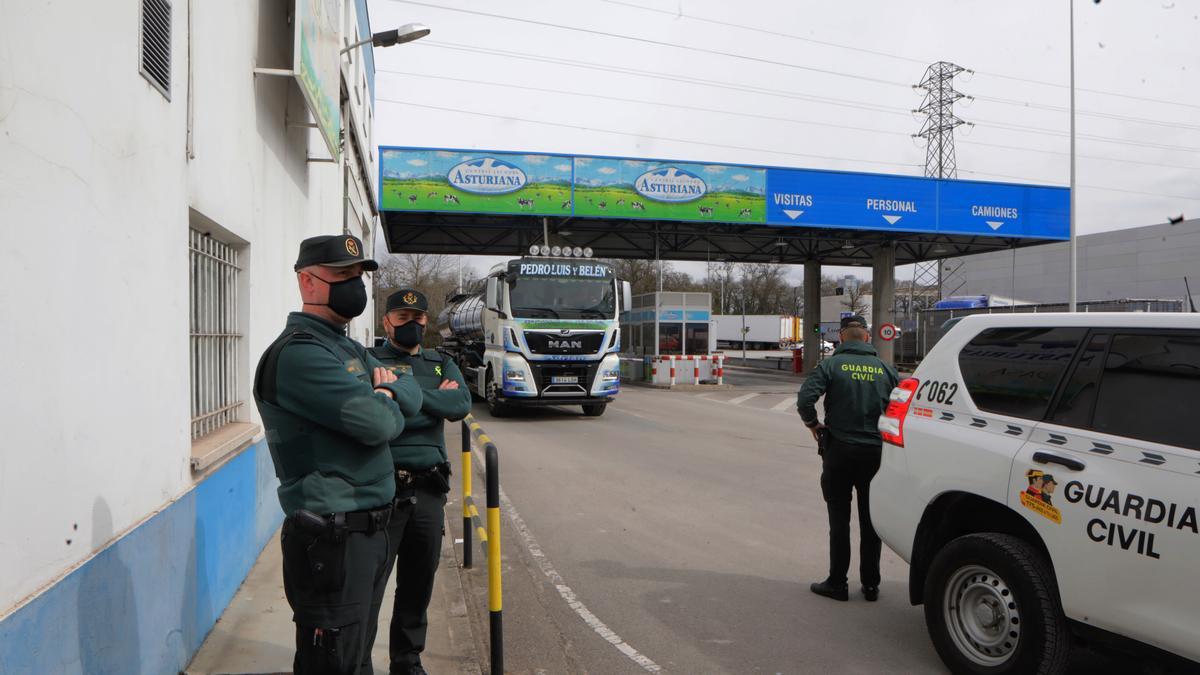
(495, 406)
(992, 607)
(594, 409)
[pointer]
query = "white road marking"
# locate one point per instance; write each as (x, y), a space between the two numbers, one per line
(741, 399)
(787, 402)
(568, 595)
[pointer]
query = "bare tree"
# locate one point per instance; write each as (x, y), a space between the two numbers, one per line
(434, 275)
(854, 299)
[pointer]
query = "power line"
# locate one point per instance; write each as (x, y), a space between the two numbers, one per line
(1086, 113)
(764, 31)
(766, 91)
(1026, 179)
(695, 17)
(658, 75)
(621, 99)
(642, 135)
(1079, 156)
(1105, 139)
(663, 43)
(739, 147)
(1090, 91)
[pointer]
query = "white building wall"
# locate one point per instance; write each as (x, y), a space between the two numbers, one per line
(97, 192)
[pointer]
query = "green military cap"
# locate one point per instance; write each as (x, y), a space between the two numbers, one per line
(853, 321)
(408, 298)
(334, 250)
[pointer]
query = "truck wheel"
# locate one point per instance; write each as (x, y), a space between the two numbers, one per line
(992, 607)
(495, 407)
(594, 409)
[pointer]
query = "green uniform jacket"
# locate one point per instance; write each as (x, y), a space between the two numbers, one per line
(856, 385)
(326, 426)
(423, 442)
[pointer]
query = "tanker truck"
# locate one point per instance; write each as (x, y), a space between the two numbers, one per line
(542, 331)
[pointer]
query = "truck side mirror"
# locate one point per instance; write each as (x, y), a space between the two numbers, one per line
(491, 298)
(626, 296)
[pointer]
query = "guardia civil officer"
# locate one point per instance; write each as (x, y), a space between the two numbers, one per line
(422, 471)
(856, 385)
(329, 409)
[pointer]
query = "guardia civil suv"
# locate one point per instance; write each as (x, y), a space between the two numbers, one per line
(1041, 474)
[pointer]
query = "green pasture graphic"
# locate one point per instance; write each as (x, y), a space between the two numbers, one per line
(549, 185)
(475, 182)
(629, 188)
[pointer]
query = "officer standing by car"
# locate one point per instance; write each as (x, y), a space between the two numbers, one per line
(329, 409)
(422, 471)
(856, 384)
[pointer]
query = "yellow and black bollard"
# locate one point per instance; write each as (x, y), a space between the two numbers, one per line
(467, 504)
(495, 597)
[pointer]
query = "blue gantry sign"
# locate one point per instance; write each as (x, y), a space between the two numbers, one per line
(617, 188)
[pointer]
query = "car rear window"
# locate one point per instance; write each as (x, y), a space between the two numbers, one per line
(1014, 371)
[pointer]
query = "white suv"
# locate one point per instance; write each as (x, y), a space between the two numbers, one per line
(1041, 474)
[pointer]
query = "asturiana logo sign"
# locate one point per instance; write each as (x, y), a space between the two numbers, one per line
(670, 184)
(486, 175)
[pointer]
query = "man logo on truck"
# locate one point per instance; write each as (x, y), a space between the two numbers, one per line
(566, 344)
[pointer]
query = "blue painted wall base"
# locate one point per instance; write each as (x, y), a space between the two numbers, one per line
(146, 603)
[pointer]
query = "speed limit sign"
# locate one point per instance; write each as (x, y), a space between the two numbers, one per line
(887, 332)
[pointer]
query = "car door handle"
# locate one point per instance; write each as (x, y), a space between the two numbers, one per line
(1051, 458)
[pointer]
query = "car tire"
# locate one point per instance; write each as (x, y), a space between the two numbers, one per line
(992, 608)
(594, 409)
(495, 407)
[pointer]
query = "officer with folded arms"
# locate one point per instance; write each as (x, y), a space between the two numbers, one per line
(330, 409)
(856, 385)
(422, 471)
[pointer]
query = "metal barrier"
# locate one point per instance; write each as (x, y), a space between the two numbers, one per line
(489, 535)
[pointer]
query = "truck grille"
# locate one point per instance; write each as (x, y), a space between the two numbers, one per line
(582, 372)
(556, 343)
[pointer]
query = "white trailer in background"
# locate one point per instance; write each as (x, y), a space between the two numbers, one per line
(757, 331)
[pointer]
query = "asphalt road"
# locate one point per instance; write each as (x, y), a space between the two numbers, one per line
(690, 525)
(679, 533)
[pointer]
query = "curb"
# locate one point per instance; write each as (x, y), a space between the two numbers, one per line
(463, 640)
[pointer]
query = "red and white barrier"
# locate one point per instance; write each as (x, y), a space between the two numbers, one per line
(704, 367)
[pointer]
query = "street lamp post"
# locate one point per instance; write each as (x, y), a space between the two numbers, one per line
(1072, 288)
(388, 38)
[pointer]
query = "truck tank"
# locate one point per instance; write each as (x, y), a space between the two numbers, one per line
(462, 320)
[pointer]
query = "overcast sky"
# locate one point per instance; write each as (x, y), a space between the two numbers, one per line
(824, 85)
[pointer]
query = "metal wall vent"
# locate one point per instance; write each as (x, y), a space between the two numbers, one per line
(156, 44)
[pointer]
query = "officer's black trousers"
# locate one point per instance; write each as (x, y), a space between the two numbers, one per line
(415, 534)
(335, 590)
(847, 467)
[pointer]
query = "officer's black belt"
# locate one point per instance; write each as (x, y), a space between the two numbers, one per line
(406, 477)
(369, 522)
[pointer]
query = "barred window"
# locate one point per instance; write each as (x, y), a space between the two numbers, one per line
(215, 339)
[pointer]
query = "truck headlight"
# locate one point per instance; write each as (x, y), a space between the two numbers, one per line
(612, 375)
(514, 375)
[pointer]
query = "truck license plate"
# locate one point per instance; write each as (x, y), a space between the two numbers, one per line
(564, 379)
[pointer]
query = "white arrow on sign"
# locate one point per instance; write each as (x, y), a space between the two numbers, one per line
(892, 219)
(994, 224)
(793, 214)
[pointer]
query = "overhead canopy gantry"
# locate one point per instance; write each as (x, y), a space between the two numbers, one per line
(500, 203)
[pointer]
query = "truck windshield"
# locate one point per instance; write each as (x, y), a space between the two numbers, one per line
(561, 298)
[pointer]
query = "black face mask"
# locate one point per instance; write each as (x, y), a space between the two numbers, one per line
(408, 335)
(348, 298)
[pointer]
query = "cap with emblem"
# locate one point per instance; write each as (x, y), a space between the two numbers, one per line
(855, 321)
(334, 250)
(408, 298)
